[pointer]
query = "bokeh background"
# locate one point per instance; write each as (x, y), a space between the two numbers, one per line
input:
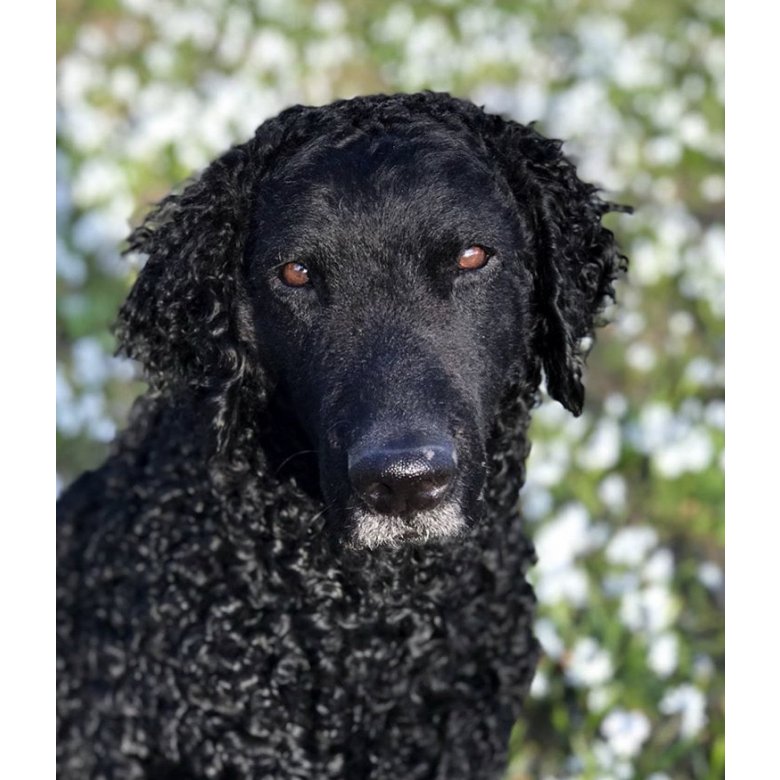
(625, 503)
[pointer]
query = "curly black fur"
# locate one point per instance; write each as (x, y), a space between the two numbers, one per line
(215, 621)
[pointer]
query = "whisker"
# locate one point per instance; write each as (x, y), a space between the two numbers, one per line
(294, 455)
(319, 514)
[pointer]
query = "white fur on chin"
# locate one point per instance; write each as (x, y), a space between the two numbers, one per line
(374, 530)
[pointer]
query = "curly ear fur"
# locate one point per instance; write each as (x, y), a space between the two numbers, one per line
(186, 318)
(576, 258)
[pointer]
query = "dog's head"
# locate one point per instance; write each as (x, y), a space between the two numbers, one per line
(390, 266)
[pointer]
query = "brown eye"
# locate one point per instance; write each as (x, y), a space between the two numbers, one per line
(294, 274)
(472, 258)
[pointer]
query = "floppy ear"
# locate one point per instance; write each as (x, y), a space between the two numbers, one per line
(186, 319)
(576, 259)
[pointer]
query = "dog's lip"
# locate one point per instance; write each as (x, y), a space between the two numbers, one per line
(372, 529)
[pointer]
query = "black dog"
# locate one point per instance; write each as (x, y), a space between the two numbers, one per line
(303, 559)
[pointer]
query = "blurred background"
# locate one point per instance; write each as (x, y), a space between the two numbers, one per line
(625, 503)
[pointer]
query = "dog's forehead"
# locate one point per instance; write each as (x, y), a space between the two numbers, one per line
(424, 182)
(381, 157)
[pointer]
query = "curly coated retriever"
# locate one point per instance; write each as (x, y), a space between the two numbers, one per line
(304, 558)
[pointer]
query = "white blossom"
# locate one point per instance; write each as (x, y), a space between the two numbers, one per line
(626, 731)
(563, 538)
(630, 546)
(659, 567)
(664, 654)
(710, 575)
(548, 636)
(650, 610)
(688, 702)
(693, 450)
(540, 685)
(602, 449)
(641, 357)
(589, 664)
(613, 492)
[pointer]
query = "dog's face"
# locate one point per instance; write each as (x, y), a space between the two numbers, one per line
(391, 293)
(389, 265)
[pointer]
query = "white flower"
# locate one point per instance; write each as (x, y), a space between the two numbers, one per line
(558, 543)
(654, 260)
(630, 546)
(638, 63)
(537, 501)
(656, 425)
(693, 130)
(602, 449)
(641, 357)
(235, 35)
(651, 610)
(626, 731)
(660, 567)
(97, 179)
(90, 362)
(663, 150)
(612, 492)
(713, 188)
(329, 16)
(663, 655)
(700, 371)
(715, 414)
(677, 443)
(630, 323)
(563, 538)
(668, 109)
(692, 451)
(589, 664)
(689, 702)
(548, 463)
(710, 575)
(397, 24)
(565, 584)
(124, 83)
(548, 636)
(270, 50)
(551, 414)
(540, 685)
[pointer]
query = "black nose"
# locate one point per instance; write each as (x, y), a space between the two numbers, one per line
(405, 476)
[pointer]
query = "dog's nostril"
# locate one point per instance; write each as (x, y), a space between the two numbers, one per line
(404, 477)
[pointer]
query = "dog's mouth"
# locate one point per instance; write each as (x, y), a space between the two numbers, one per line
(370, 530)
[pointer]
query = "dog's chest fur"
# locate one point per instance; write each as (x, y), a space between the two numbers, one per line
(435, 641)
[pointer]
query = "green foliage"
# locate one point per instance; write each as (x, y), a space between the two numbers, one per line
(626, 502)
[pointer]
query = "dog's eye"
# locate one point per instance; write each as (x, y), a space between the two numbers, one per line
(473, 258)
(294, 274)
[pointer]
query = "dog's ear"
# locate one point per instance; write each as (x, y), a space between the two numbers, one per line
(575, 258)
(187, 318)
